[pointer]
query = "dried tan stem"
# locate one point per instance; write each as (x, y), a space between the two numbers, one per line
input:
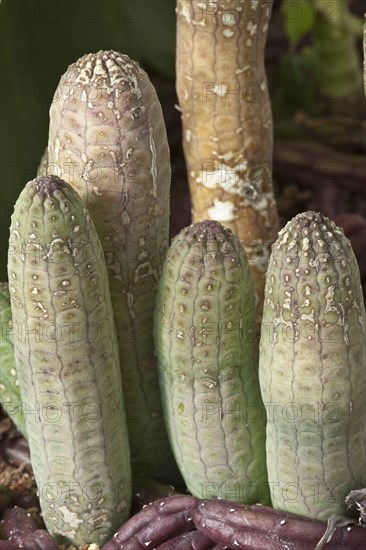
(227, 120)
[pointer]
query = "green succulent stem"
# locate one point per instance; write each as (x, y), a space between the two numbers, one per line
(336, 57)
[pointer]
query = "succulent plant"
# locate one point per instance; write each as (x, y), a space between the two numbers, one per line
(107, 137)
(227, 121)
(9, 385)
(22, 531)
(208, 365)
(86, 264)
(260, 527)
(68, 364)
(312, 369)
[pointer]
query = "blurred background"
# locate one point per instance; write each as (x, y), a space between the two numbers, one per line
(314, 66)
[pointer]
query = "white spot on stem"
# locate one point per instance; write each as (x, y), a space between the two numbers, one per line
(228, 19)
(222, 211)
(228, 33)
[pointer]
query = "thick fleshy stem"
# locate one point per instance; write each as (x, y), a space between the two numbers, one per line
(21, 529)
(251, 527)
(195, 540)
(227, 121)
(155, 524)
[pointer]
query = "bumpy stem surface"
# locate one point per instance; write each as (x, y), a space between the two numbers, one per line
(108, 138)
(312, 369)
(208, 365)
(10, 396)
(67, 364)
(227, 121)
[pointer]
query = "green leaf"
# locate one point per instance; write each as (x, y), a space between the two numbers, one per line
(299, 19)
(355, 24)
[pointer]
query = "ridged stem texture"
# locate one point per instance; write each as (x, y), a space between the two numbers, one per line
(207, 360)
(107, 137)
(227, 121)
(313, 369)
(10, 397)
(67, 364)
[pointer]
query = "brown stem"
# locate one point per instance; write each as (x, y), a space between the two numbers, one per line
(312, 165)
(195, 540)
(227, 121)
(147, 490)
(342, 133)
(155, 524)
(259, 527)
(21, 529)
